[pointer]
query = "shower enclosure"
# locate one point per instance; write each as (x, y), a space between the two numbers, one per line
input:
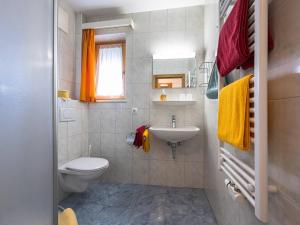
(26, 112)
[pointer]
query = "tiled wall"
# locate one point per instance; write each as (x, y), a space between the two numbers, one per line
(72, 141)
(284, 126)
(72, 135)
(66, 52)
(109, 123)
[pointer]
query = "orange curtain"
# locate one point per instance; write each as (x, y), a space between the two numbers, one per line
(88, 64)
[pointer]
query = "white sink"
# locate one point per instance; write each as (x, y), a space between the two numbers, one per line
(174, 135)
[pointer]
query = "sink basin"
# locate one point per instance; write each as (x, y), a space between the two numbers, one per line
(174, 135)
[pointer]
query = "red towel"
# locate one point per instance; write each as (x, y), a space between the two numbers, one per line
(138, 140)
(250, 61)
(233, 48)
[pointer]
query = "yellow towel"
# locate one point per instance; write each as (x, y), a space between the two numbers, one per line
(146, 142)
(67, 217)
(233, 115)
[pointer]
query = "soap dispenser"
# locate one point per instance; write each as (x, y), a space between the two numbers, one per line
(163, 95)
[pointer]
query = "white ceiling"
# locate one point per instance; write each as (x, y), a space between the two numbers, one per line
(132, 6)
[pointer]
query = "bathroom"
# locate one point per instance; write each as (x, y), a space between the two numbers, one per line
(145, 147)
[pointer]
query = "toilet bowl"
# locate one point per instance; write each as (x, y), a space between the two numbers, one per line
(76, 175)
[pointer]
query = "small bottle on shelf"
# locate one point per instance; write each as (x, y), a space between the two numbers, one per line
(163, 95)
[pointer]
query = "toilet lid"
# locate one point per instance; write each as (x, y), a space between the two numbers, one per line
(86, 164)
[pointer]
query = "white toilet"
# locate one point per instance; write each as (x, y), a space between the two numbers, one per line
(74, 176)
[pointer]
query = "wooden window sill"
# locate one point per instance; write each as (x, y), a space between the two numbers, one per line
(111, 100)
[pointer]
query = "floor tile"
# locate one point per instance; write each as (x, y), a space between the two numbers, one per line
(130, 204)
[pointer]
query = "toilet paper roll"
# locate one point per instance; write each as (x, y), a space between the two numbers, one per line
(130, 138)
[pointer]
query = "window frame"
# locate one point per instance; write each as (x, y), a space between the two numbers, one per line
(123, 45)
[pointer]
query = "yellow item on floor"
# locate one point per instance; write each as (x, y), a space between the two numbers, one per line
(233, 115)
(67, 217)
(146, 141)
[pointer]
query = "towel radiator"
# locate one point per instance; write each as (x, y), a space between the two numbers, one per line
(252, 183)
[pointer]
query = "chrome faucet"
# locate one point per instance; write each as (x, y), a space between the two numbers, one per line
(173, 121)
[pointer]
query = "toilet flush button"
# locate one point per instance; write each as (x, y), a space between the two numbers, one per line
(66, 114)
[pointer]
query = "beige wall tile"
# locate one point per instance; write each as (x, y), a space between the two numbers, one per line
(141, 171)
(284, 59)
(193, 174)
(157, 172)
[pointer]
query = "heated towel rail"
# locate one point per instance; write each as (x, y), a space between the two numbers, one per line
(252, 183)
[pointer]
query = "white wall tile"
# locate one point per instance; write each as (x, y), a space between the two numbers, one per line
(62, 130)
(123, 121)
(122, 171)
(84, 120)
(85, 145)
(141, 22)
(141, 46)
(140, 70)
(159, 21)
(140, 118)
(168, 173)
(66, 53)
(109, 123)
(73, 135)
(94, 139)
(140, 95)
(195, 18)
(122, 149)
(158, 41)
(94, 120)
(194, 149)
(177, 40)
(139, 154)
(74, 146)
(75, 127)
(129, 45)
(194, 40)
(157, 172)
(177, 19)
(108, 144)
(62, 151)
(175, 173)
(161, 151)
(193, 174)
(141, 169)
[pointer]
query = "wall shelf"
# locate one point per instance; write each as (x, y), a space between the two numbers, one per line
(174, 102)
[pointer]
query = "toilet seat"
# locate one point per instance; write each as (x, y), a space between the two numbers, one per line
(85, 165)
(76, 175)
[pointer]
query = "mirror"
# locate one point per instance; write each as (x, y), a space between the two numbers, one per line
(169, 81)
(174, 73)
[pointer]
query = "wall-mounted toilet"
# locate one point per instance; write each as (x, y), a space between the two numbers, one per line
(75, 175)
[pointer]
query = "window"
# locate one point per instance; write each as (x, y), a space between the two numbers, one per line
(110, 71)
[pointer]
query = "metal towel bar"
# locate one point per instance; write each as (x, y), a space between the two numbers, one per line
(252, 183)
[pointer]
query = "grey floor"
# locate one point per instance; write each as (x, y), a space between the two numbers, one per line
(128, 204)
